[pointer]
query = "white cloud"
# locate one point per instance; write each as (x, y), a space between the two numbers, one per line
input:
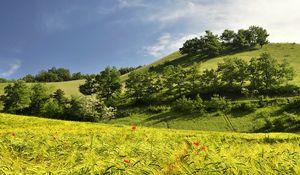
(13, 68)
(167, 44)
(280, 18)
(131, 3)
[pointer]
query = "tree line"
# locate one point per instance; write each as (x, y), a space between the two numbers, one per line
(62, 74)
(260, 76)
(210, 45)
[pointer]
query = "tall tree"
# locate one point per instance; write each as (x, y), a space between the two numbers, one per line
(17, 97)
(108, 83)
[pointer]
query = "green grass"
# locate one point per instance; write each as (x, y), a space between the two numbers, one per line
(240, 121)
(281, 51)
(69, 87)
(31, 145)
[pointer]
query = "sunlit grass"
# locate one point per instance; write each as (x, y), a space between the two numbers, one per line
(30, 145)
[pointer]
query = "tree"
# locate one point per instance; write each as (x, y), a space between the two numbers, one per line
(88, 88)
(233, 71)
(175, 80)
(59, 96)
(141, 85)
(108, 83)
(29, 78)
(17, 97)
(211, 45)
(39, 95)
(210, 79)
(266, 72)
(260, 35)
(227, 38)
(191, 47)
(193, 78)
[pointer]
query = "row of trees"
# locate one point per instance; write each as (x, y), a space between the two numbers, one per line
(61, 74)
(258, 75)
(211, 45)
(39, 100)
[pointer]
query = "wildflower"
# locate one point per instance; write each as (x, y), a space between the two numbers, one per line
(203, 147)
(133, 127)
(14, 134)
(196, 143)
(126, 161)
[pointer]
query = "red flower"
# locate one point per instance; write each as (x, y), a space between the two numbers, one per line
(126, 161)
(203, 147)
(196, 143)
(14, 134)
(133, 127)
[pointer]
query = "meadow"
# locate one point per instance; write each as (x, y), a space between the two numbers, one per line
(30, 145)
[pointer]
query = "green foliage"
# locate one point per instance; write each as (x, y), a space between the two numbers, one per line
(17, 97)
(265, 72)
(233, 71)
(286, 123)
(89, 108)
(158, 109)
(143, 85)
(217, 103)
(51, 108)
(175, 80)
(211, 45)
(188, 105)
(39, 95)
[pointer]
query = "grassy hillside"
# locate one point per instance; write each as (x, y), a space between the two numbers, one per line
(69, 87)
(288, 51)
(62, 147)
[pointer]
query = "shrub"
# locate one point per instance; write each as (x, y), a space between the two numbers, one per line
(218, 103)
(52, 109)
(286, 123)
(188, 105)
(245, 106)
(158, 109)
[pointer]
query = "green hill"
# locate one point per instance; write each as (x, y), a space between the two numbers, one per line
(63, 147)
(288, 51)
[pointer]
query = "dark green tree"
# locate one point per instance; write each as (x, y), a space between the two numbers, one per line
(265, 72)
(39, 95)
(191, 47)
(17, 97)
(108, 83)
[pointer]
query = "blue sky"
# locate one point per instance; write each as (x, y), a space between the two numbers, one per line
(88, 35)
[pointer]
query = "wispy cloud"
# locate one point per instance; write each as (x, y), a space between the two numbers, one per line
(167, 43)
(131, 3)
(280, 18)
(12, 68)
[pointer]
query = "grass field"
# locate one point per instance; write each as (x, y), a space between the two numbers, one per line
(69, 87)
(31, 145)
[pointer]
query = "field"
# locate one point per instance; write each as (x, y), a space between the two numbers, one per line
(69, 87)
(30, 145)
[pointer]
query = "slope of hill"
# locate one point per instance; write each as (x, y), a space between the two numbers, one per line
(288, 51)
(62, 147)
(69, 87)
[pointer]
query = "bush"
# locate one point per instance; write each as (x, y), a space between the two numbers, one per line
(52, 109)
(158, 109)
(188, 105)
(89, 108)
(218, 103)
(287, 123)
(245, 106)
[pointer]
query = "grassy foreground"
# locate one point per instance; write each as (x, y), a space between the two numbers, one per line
(30, 145)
